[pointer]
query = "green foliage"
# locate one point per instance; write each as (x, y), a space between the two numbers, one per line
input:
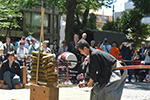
(9, 12)
(91, 22)
(142, 5)
(130, 24)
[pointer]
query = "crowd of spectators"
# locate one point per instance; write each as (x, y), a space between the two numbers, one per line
(125, 51)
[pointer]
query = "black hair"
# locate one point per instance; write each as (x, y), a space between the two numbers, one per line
(23, 37)
(114, 42)
(7, 37)
(10, 54)
(82, 43)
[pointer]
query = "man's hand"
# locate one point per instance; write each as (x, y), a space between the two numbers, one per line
(3, 57)
(82, 85)
(90, 84)
(21, 85)
(1, 83)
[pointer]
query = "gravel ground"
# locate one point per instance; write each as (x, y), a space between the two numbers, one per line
(132, 91)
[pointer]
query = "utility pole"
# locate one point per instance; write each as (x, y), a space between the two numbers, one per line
(53, 12)
(113, 11)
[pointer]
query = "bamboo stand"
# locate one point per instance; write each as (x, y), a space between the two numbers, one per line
(41, 39)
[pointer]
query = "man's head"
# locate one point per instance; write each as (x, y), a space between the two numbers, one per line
(84, 36)
(114, 44)
(92, 43)
(76, 38)
(83, 47)
(10, 56)
(8, 39)
(23, 38)
(55, 42)
(21, 44)
(33, 41)
(143, 44)
(106, 41)
(45, 44)
(64, 42)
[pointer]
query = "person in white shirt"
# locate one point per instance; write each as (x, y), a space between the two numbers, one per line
(33, 47)
(64, 48)
(1, 50)
(46, 49)
(147, 56)
(21, 53)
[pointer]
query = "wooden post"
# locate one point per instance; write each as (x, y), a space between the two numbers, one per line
(41, 39)
(67, 71)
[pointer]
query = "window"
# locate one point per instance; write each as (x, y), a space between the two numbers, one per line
(55, 24)
(33, 22)
(106, 18)
(99, 26)
(99, 17)
(36, 19)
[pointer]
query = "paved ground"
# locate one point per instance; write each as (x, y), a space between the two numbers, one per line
(132, 91)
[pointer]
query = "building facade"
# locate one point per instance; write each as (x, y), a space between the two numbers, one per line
(30, 24)
(102, 17)
(128, 6)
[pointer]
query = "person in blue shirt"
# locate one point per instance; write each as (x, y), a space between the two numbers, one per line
(106, 46)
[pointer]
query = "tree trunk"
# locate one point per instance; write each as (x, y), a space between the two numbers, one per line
(70, 6)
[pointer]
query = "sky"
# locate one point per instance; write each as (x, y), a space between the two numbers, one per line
(119, 6)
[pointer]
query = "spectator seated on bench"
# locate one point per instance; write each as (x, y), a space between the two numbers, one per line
(148, 77)
(9, 69)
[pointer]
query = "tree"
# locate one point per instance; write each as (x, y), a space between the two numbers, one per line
(76, 10)
(142, 5)
(9, 13)
(130, 24)
(69, 7)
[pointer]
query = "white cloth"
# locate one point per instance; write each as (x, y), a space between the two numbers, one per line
(147, 57)
(148, 76)
(45, 49)
(1, 47)
(22, 52)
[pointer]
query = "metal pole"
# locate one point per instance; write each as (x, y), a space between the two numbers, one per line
(53, 21)
(42, 4)
(113, 11)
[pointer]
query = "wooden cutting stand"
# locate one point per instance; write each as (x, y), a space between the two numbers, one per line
(42, 92)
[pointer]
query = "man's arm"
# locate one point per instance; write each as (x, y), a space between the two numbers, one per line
(121, 45)
(109, 48)
(99, 72)
(102, 46)
(13, 48)
(130, 47)
(19, 73)
(145, 52)
(1, 73)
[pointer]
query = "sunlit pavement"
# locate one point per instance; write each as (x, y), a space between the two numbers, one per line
(132, 91)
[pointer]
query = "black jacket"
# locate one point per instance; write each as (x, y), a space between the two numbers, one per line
(15, 68)
(72, 49)
(100, 65)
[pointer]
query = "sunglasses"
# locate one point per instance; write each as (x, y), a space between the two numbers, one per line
(21, 43)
